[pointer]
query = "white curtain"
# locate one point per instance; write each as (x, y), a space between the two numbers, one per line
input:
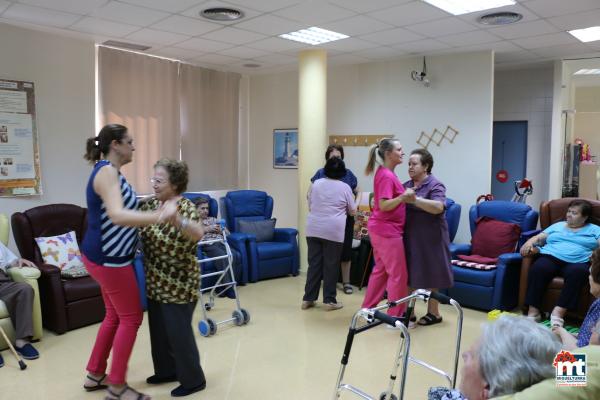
(142, 93)
(209, 126)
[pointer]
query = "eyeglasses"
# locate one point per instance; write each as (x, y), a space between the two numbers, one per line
(157, 181)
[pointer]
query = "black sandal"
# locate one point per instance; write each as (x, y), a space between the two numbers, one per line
(98, 384)
(117, 396)
(348, 288)
(429, 319)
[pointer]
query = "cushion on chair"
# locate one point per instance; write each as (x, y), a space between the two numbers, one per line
(63, 252)
(473, 265)
(263, 230)
(80, 288)
(493, 238)
(474, 258)
(269, 250)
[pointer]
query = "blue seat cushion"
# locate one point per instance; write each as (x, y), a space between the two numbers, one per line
(269, 250)
(475, 277)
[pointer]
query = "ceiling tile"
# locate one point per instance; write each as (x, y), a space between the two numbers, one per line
(157, 37)
(4, 5)
(243, 52)
(271, 25)
(103, 27)
(265, 5)
(446, 26)
(185, 25)
(343, 59)
(76, 7)
(551, 8)
(129, 14)
(233, 36)
(552, 39)
(349, 45)
(513, 56)
(203, 45)
(498, 47)
(358, 25)
(380, 53)
(173, 6)
(177, 53)
(391, 36)
(362, 6)
(277, 59)
(519, 30)
(576, 21)
(469, 38)
(422, 45)
(409, 14)
(37, 15)
(217, 59)
(194, 12)
(276, 44)
(314, 13)
(562, 51)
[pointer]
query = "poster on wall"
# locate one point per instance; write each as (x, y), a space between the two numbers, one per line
(19, 154)
(285, 148)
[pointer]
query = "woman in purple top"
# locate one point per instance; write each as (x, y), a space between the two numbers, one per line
(329, 201)
(426, 236)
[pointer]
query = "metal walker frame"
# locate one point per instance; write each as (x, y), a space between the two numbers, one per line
(375, 317)
(239, 316)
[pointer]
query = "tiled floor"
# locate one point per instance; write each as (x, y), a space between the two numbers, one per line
(283, 353)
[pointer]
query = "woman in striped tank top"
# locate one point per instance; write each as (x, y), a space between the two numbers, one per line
(108, 249)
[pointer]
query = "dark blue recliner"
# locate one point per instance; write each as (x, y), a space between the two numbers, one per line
(452, 217)
(266, 259)
(497, 288)
(236, 241)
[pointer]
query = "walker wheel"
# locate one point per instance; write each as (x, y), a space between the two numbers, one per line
(207, 327)
(238, 317)
(246, 315)
(392, 396)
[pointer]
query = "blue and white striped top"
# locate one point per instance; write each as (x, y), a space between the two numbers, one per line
(104, 242)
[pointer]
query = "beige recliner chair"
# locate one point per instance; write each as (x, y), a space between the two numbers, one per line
(27, 275)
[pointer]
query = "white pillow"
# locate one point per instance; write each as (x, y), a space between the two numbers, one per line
(61, 251)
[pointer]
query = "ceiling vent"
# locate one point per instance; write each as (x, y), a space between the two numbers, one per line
(500, 18)
(252, 65)
(125, 45)
(222, 14)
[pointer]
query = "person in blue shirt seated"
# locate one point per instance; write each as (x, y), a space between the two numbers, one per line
(564, 250)
(592, 318)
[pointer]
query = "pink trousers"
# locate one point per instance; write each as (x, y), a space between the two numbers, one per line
(389, 273)
(124, 314)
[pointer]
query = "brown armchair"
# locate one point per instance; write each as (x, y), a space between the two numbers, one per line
(66, 303)
(551, 212)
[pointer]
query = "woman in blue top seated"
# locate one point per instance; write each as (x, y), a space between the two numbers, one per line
(565, 249)
(336, 150)
(592, 318)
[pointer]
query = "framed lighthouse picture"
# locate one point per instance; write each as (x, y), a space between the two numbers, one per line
(285, 148)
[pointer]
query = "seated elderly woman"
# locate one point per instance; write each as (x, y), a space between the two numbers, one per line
(564, 249)
(512, 354)
(592, 317)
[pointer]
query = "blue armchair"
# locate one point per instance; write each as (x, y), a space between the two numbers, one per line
(497, 288)
(452, 217)
(266, 259)
(236, 241)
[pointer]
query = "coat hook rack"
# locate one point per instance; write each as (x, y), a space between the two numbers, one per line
(357, 140)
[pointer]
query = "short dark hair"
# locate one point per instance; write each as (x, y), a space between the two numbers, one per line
(425, 157)
(98, 145)
(333, 147)
(177, 171)
(198, 201)
(335, 168)
(595, 266)
(585, 207)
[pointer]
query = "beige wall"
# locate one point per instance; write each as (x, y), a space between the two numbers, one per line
(381, 98)
(62, 70)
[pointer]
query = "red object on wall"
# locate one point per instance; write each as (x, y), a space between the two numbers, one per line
(502, 176)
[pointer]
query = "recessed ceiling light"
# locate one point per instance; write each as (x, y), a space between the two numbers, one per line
(251, 65)
(588, 34)
(593, 71)
(500, 18)
(458, 7)
(125, 45)
(222, 14)
(314, 36)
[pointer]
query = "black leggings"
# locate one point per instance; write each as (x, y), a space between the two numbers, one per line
(544, 269)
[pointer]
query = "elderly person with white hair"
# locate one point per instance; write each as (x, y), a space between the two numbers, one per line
(512, 354)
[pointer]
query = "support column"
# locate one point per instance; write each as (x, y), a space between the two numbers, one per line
(312, 131)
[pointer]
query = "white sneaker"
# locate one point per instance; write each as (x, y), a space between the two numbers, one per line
(307, 304)
(332, 306)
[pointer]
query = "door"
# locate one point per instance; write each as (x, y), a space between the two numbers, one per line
(509, 157)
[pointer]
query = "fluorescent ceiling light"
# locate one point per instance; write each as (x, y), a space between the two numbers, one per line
(594, 71)
(314, 36)
(588, 34)
(458, 7)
